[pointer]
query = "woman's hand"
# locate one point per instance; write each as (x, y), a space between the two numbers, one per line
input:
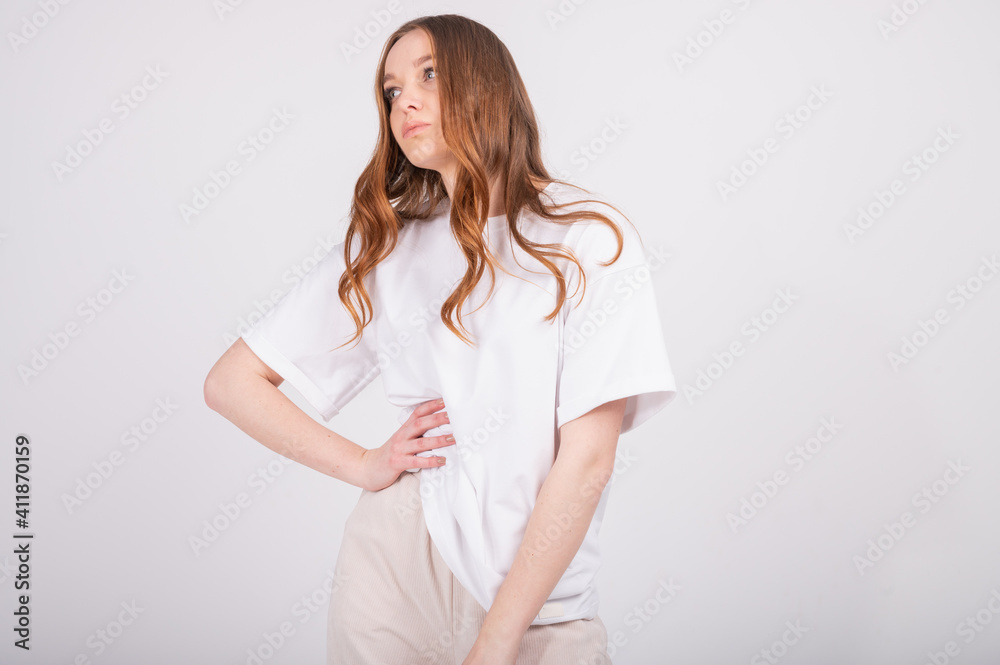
(383, 465)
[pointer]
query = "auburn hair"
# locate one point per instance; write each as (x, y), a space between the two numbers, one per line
(489, 124)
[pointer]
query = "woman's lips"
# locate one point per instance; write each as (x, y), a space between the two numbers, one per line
(414, 130)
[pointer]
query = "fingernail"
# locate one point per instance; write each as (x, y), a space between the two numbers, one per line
(440, 402)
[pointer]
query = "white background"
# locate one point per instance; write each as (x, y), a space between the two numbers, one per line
(682, 130)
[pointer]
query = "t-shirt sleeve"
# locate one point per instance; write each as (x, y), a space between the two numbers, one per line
(296, 339)
(612, 343)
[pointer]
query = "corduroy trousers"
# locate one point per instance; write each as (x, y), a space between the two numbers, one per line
(398, 603)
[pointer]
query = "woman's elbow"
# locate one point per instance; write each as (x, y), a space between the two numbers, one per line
(215, 386)
(208, 390)
(231, 372)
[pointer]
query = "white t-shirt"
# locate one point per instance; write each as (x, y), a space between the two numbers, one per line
(507, 397)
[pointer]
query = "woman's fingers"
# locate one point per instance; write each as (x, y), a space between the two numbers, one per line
(429, 415)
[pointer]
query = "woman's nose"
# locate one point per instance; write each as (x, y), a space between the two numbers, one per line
(410, 98)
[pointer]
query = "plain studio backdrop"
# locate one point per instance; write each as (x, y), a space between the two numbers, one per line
(815, 184)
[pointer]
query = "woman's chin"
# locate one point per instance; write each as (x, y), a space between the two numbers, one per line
(421, 161)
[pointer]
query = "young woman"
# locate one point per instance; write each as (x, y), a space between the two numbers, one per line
(475, 539)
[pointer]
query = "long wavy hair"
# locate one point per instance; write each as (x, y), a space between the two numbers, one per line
(489, 124)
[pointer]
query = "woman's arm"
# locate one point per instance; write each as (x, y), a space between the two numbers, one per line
(563, 512)
(244, 390)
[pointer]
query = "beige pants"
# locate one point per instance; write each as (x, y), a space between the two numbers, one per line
(399, 603)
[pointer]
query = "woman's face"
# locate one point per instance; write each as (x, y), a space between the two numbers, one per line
(415, 115)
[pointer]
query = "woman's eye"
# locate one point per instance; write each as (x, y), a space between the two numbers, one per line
(388, 93)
